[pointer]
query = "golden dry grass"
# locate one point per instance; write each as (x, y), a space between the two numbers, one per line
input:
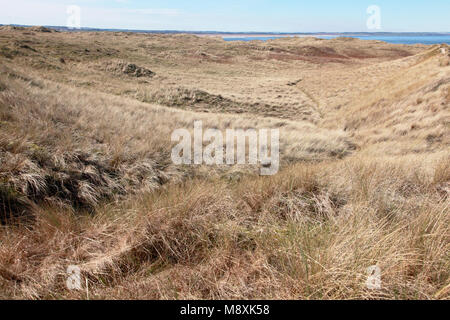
(86, 177)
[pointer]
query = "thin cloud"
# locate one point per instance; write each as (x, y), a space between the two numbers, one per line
(160, 12)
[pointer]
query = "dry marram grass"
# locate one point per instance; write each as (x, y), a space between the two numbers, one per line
(86, 177)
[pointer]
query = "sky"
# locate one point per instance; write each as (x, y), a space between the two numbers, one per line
(236, 15)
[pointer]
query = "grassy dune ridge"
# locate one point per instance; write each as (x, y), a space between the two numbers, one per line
(86, 177)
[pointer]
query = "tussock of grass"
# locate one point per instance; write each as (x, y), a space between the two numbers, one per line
(125, 68)
(310, 232)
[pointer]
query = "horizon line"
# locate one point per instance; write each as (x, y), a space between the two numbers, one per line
(226, 32)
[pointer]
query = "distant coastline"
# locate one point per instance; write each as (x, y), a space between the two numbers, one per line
(244, 34)
(412, 38)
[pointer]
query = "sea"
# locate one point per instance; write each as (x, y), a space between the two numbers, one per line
(427, 39)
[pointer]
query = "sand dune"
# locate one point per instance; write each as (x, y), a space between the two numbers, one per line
(86, 177)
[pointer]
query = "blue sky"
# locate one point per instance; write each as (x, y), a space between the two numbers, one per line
(234, 15)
